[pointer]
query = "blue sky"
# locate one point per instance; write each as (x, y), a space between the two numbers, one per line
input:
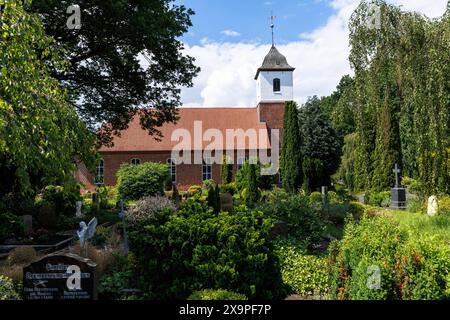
(230, 38)
(250, 19)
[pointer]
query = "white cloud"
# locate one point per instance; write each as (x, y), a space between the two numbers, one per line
(230, 33)
(320, 58)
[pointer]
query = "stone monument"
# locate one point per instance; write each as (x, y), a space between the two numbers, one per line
(398, 193)
(78, 206)
(433, 206)
(60, 277)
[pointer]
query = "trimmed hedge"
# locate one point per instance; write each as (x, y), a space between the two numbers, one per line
(147, 179)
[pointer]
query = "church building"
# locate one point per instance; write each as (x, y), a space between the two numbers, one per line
(274, 83)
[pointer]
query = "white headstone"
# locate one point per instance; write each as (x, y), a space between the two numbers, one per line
(78, 205)
(433, 206)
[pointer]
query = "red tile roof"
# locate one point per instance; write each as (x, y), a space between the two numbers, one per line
(137, 139)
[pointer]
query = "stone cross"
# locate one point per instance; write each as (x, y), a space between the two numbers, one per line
(397, 172)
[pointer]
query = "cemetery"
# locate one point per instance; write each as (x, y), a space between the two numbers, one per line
(359, 209)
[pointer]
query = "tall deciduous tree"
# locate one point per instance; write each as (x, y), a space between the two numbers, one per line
(125, 55)
(41, 136)
(291, 156)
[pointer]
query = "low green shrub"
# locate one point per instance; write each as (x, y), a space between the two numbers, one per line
(219, 294)
(10, 226)
(408, 263)
(63, 198)
(102, 234)
(8, 290)
(416, 204)
(147, 179)
(306, 275)
(229, 188)
(196, 249)
(194, 190)
(380, 199)
(295, 210)
(150, 210)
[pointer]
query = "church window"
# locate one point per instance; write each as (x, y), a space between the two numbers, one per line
(100, 173)
(135, 161)
(276, 85)
(206, 169)
(173, 169)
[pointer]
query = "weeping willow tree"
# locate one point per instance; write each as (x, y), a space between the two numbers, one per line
(402, 95)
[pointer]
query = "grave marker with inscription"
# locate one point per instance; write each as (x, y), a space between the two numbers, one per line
(60, 277)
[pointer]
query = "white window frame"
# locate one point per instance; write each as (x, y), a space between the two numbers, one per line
(173, 169)
(100, 172)
(135, 161)
(207, 173)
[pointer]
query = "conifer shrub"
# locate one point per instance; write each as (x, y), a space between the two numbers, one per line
(197, 249)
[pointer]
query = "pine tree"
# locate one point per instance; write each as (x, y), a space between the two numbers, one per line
(218, 206)
(291, 158)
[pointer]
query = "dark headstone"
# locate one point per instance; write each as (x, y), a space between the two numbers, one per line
(60, 277)
(28, 224)
(398, 193)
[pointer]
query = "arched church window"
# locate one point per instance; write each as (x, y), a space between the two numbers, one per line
(276, 85)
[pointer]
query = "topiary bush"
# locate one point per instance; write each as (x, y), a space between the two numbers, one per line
(219, 294)
(147, 179)
(196, 249)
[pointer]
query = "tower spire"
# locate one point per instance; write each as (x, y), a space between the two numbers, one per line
(272, 25)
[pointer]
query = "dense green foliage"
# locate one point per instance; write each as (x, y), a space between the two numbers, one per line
(400, 100)
(10, 226)
(62, 198)
(213, 198)
(147, 179)
(264, 182)
(412, 260)
(320, 145)
(291, 156)
(106, 79)
(40, 133)
(295, 211)
(196, 249)
(305, 274)
(218, 294)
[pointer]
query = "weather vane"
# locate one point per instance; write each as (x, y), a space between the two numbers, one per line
(272, 25)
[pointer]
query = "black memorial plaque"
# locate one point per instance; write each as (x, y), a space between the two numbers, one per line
(60, 277)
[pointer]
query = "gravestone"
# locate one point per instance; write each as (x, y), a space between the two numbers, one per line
(363, 199)
(60, 277)
(433, 206)
(27, 224)
(324, 192)
(398, 193)
(78, 205)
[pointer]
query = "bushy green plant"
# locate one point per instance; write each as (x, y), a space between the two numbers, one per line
(218, 294)
(117, 277)
(411, 264)
(102, 234)
(295, 210)
(194, 190)
(7, 289)
(263, 182)
(213, 198)
(380, 199)
(416, 205)
(197, 249)
(10, 226)
(229, 188)
(147, 179)
(210, 183)
(226, 170)
(305, 274)
(150, 210)
(63, 198)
